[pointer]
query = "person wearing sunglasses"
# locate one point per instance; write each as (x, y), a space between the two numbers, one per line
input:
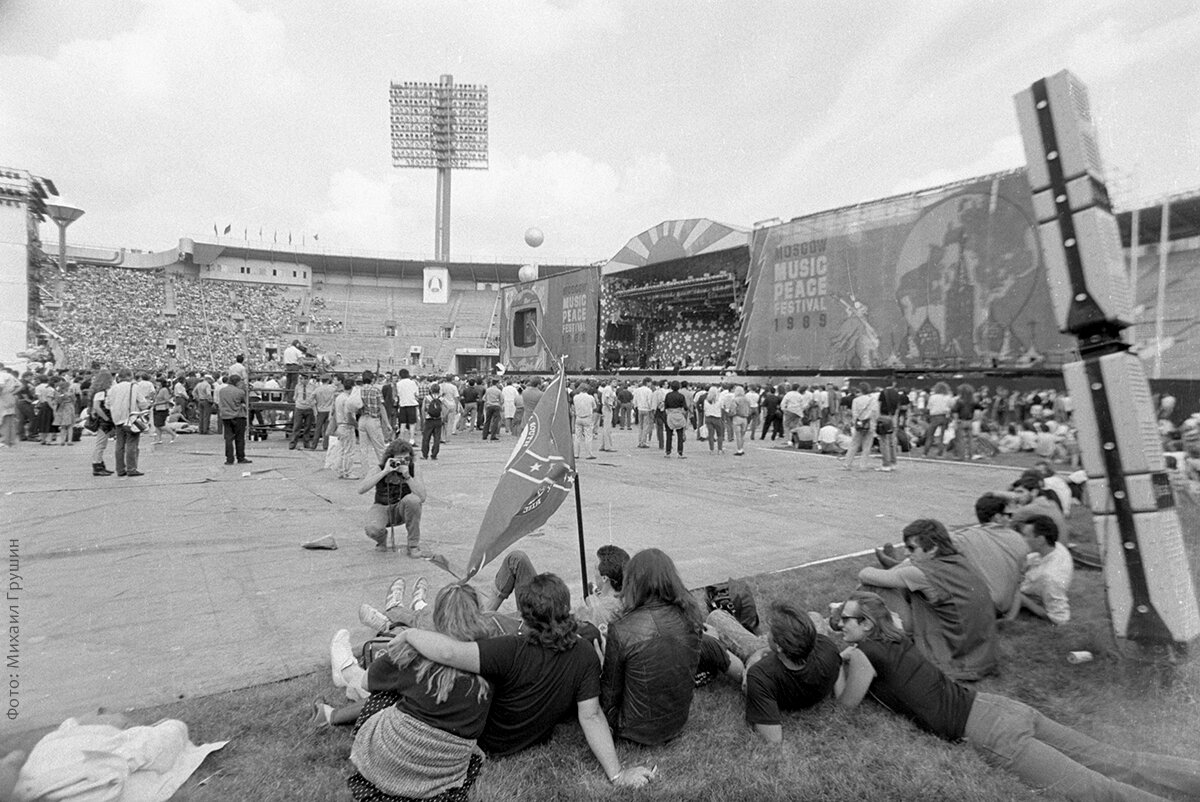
(883, 662)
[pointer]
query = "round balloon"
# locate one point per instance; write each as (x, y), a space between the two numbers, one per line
(534, 237)
(527, 272)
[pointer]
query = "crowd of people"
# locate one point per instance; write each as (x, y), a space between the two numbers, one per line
(441, 686)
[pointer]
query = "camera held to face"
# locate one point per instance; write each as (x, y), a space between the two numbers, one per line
(396, 463)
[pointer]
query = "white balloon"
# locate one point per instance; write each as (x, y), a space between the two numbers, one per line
(527, 273)
(534, 237)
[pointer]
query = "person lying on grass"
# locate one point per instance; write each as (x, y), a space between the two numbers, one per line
(792, 668)
(416, 735)
(883, 662)
(539, 677)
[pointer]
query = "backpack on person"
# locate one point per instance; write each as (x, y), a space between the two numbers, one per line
(433, 408)
(734, 597)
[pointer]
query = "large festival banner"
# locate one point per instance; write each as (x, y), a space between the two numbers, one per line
(948, 276)
(564, 309)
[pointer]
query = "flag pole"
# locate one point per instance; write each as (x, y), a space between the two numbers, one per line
(583, 567)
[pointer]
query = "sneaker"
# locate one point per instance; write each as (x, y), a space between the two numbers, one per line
(395, 595)
(374, 620)
(135, 473)
(245, 461)
(419, 591)
(416, 553)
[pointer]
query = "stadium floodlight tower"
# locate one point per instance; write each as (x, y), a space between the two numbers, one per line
(440, 126)
(63, 215)
(1151, 596)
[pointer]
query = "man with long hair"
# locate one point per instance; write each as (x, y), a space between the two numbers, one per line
(884, 663)
(652, 652)
(538, 676)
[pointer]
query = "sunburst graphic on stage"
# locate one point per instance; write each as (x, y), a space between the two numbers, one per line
(676, 239)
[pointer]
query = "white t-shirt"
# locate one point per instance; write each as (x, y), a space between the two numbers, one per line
(585, 405)
(406, 393)
(1048, 578)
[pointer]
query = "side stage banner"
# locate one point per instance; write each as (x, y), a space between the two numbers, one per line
(952, 275)
(564, 308)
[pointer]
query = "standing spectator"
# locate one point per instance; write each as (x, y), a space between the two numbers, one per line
(162, 408)
(203, 391)
(234, 411)
(660, 416)
(939, 406)
(323, 397)
(470, 396)
(889, 421)
(792, 407)
(864, 414)
(9, 385)
(371, 422)
(752, 398)
(406, 405)
(345, 415)
(625, 408)
(100, 411)
(531, 395)
(585, 413)
(450, 402)
(431, 428)
(608, 402)
(238, 368)
(772, 416)
(65, 412)
(713, 420)
(291, 363)
(677, 409)
(740, 419)
(493, 405)
(509, 401)
(642, 396)
(302, 412)
(388, 393)
(963, 412)
(124, 404)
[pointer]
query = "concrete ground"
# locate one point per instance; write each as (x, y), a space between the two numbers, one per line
(190, 580)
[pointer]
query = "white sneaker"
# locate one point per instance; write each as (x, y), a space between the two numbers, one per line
(374, 620)
(340, 656)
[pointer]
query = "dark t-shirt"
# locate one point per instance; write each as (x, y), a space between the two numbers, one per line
(770, 402)
(624, 396)
(535, 689)
(772, 687)
(907, 683)
(674, 400)
(461, 714)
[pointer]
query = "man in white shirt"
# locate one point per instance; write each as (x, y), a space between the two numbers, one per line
(864, 413)
(406, 405)
(450, 407)
(291, 363)
(820, 398)
(239, 367)
(752, 397)
(1048, 571)
(608, 404)
(792, 408)
(585, 411)
(642, 395)
(657, 396)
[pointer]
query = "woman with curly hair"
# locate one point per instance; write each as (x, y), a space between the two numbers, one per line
(416, 736)
(652, 651)
(884, 663)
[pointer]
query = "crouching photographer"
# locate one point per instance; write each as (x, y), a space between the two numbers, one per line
(399, 496)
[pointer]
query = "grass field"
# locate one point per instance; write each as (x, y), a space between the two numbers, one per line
(828, 754)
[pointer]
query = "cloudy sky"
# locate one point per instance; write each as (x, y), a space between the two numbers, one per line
(163, 118)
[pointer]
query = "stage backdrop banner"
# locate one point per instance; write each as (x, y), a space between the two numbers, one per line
(949, 276)
(566, 310)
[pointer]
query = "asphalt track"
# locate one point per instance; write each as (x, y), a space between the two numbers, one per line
(190, 580)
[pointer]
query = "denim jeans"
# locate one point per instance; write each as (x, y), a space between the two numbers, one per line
(1049, 755)
(406, 511)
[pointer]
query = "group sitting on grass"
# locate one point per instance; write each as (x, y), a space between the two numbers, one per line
(461, 680)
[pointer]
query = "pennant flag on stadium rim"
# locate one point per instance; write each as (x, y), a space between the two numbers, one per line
(215, 232)
(539, 474)
(229, 228)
